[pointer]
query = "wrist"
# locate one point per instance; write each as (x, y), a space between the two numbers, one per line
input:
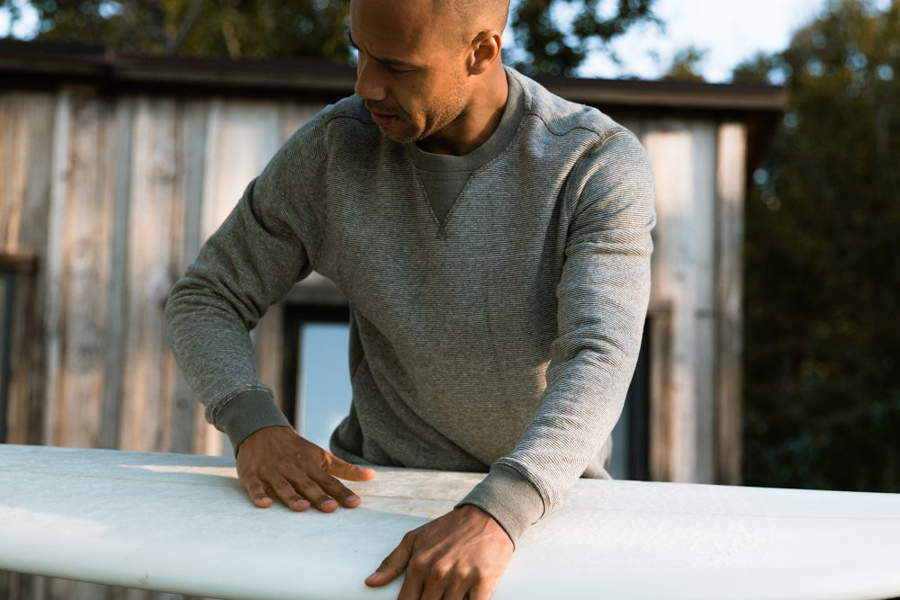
(507, 496)
(476, 512)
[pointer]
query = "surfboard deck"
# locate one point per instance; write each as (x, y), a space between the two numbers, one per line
(183, 523)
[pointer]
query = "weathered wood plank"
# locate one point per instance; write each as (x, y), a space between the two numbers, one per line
(186, 245)
(165, 266)
(7, 145)
(662, 409)
(118, 156)
(667, 143)
(148, 386)
(683, 191)
(85, 254)
(703, 253)
(729, 270)
(659, 315)
(27, 119)
(85, 259)
(54, 265)
(241, 138)
(210, 440)
(13, 148)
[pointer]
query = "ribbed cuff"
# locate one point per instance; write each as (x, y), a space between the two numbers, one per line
(248, 412)
(509, 497)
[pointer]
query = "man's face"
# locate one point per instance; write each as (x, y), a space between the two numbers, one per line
(411, 71)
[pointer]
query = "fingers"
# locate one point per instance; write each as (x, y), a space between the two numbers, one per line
(313, 492)
(435, 578)
(481, 591)
(414, 584)
(336, 490)
(289, 495)
(393, 564)
(345, 470)
(457, 590)
(257, 492)
(298, 491)
(276, 462)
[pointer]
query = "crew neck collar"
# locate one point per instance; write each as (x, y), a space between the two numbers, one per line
(494, 145)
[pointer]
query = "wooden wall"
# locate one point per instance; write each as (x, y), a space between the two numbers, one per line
(113, 197)
(699, 171)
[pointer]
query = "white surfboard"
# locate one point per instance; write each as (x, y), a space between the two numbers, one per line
(182, 523)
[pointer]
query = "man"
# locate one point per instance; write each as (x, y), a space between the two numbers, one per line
(494, 243)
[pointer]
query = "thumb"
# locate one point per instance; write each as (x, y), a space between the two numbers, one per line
(344, 470)
(393, 565)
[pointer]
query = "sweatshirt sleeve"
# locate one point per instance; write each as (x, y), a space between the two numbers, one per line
(263, 247)
(603, 292)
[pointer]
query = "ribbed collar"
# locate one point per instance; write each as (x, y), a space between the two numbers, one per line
(499, 140)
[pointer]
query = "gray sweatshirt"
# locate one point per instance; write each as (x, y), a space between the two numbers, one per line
(497, 299)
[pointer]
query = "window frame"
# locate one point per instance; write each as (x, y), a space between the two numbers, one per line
(295, 316)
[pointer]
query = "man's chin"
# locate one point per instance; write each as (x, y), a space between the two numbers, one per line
(398, 135)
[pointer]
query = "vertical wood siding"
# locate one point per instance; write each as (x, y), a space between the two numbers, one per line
(731, 193)
(114, 196)
(26, 152)
(684, 157)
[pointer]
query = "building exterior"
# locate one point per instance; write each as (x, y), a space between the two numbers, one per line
(114, 169)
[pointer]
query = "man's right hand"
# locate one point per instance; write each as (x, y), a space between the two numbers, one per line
(276, 461)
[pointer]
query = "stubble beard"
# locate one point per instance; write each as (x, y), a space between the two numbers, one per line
(440, 117)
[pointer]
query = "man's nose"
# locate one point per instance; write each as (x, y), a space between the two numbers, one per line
(369, 85)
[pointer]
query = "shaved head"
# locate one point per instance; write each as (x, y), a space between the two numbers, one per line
(474, 16)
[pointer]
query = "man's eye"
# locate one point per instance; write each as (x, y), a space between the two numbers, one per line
(397, 71)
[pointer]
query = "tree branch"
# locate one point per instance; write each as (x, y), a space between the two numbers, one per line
(173, 43)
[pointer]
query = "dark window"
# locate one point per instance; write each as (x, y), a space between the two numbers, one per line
(631, 435)
(7, 295)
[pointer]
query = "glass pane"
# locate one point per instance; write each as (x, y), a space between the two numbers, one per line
(618, 461)
(324, 385)
(5, 300)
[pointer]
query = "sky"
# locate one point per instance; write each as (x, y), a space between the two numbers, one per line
(730, 30)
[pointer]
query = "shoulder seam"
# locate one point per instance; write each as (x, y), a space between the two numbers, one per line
(331, 118)
(618, 130)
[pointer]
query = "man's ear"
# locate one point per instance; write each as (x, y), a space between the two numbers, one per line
(485, 50)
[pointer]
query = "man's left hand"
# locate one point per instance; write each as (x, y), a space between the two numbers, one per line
(462, 552)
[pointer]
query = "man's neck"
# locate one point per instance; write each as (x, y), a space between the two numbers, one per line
(477, 122)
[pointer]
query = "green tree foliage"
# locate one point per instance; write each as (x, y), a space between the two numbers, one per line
(546, 41)
(686, 64)
(551, 43)
(822, 345)
(235, 28)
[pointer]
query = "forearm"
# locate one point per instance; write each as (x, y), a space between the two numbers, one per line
(212, 347)
(247, 265)
(576, 416)
(603, 292)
